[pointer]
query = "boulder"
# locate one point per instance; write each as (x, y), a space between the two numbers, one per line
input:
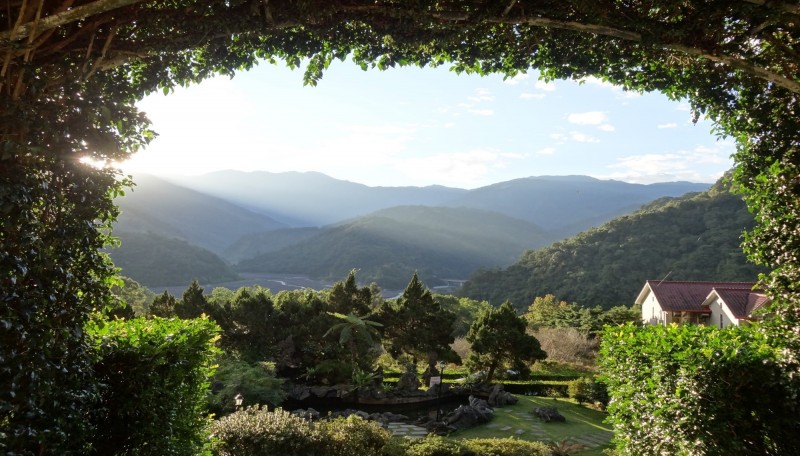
(499, 397)
(548, 414)
(466, 416)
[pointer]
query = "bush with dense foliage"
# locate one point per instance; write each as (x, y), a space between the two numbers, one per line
(256, 382)
(508, 446)
(153, 376)
(256, 431)
(698, 390)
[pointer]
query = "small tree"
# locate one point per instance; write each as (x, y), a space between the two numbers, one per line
(193, 303)
(162, 306)
(498, 336)
(417, 325)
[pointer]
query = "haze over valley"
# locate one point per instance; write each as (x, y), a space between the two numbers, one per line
(215, 227)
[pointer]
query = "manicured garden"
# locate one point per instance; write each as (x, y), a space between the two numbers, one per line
(583, 426)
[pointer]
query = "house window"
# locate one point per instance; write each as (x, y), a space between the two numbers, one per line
(720, 321)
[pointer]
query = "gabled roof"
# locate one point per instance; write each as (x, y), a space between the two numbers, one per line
(741, 302)
(676, 296)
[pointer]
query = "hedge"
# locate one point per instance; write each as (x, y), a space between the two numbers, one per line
(697, 390)
(154, 377)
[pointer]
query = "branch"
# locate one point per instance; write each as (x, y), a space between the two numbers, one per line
(786, 8)
(754, 70)
(65, 17)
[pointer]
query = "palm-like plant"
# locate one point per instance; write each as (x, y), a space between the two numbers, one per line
(353, 328)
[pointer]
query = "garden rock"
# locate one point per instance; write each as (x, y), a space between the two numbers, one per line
(467, 416)
(548, 414)
(408, 382)
(499, 397)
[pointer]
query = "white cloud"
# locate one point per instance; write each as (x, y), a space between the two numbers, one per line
(688, 165)
(546, 151)
(582, 137)
(531, 95)
(560, 138)
(587, 118)
(481, 95)
(668, 125)
(606, 127)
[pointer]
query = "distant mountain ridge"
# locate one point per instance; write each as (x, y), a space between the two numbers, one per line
(552, 202)
(157, 206)
(275, 221)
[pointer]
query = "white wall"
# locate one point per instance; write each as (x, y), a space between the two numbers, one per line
(651, 310)
(721, 313)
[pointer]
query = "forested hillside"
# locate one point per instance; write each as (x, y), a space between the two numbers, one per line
(389, 245)
(157, 206)
(696, 237)
(154, 261)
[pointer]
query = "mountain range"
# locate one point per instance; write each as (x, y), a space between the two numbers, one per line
(313, 224)
(696, 237)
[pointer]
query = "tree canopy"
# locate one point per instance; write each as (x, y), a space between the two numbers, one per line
(72, 69)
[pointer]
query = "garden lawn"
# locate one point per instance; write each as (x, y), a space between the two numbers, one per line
(583, 426)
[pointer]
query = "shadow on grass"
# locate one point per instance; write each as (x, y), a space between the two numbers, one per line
(583, 425)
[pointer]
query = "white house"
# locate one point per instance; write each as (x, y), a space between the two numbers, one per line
(718, 303)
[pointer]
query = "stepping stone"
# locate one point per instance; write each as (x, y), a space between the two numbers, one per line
(505, 428)
(519, 431)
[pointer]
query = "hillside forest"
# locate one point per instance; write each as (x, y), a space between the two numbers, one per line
(695, 237)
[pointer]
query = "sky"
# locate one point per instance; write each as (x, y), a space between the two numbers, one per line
(418, 127)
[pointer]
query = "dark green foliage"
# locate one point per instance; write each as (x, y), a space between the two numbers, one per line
(193, 302)
(698, 390)
(696, 237)
(163, 306)
(417, 325)
(498, 336)
(53, 220)
(587, 389)
(258, 432)
(155, 261)
(465, 310)
(153, 376)
(255, 382)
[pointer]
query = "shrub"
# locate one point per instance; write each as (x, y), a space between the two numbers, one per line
(433, 445)
(255, 382)
(258, 432)
(567, 345)
(580, 389)
(154, 377)
(711, 391)
(353, 436)
(506, 447)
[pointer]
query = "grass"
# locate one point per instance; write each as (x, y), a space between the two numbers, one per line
(580, 421)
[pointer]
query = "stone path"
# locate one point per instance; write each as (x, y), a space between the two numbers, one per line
(408, 430)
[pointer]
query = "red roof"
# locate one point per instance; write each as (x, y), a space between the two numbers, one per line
(677, 296)
(741, 302)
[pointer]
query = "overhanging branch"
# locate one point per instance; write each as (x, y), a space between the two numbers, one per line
(65, 17)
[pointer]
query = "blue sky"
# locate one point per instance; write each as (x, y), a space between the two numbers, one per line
(412, 126)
